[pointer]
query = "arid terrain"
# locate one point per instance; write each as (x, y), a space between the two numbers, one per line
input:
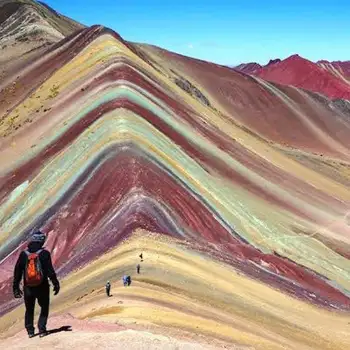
(234, 183)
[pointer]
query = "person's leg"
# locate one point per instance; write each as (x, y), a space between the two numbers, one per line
(44, 302)
(29, 301)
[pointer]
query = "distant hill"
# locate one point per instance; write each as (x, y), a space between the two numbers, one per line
(27, 25)
(328, 78)
(248, 68)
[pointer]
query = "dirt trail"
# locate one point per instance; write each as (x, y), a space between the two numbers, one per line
(99, 335)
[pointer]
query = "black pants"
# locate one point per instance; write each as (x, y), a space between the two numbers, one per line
(108, 290)
(42, 293)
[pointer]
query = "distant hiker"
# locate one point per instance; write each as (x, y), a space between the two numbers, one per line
(138, 268)
(141, 256)
(125, 280)
(108, 288)
(35, 266)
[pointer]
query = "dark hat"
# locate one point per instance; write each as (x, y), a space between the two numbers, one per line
(38, 237)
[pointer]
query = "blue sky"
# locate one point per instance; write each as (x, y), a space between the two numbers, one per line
(225, 31)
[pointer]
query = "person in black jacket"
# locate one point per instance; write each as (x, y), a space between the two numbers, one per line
(40, 292)
(108, 289)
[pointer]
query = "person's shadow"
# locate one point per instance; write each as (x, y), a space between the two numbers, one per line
(58, 330)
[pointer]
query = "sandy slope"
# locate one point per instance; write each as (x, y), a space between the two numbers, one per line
(97, 335)
(181, 293)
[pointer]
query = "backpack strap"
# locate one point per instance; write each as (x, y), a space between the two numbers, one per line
(37, 252)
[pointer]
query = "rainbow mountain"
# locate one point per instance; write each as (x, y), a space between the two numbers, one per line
(235, 189)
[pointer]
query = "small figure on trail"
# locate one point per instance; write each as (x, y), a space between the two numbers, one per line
(34, 265)
(138, 267)
(125, 280)
(108, 288)
(141, 256)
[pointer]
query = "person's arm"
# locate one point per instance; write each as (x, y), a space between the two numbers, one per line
(52, 274)
(18, 274)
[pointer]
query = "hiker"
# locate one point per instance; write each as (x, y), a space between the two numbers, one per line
(138, 268)
(108, 288)
(125, 280)
(35, 266)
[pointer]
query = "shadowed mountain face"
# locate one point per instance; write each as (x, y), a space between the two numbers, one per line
(236, 189)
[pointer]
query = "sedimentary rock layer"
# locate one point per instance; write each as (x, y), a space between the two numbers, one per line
(99, 139)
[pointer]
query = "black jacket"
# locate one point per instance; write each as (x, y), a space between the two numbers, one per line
(46, 263)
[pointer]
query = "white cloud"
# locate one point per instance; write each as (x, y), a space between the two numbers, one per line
(190, 46)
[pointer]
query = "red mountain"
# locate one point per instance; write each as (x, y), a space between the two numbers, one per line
(324, 77)
(248, 68)
(338, 68)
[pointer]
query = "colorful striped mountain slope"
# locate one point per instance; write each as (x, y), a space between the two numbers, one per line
(235, 189)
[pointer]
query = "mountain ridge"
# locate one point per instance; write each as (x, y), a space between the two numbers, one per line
(114, 148)
(329, 78)
(28, 28)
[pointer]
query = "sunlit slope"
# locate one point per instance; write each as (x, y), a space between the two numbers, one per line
(112, 137)
(180, 289)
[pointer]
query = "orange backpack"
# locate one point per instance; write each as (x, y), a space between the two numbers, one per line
(33, 272)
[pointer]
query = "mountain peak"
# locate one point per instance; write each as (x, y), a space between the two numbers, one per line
(303, 73)
(248, 68)
(27, 19)
(271, 62)
(295, 57)
(323, 62)
(26, 26)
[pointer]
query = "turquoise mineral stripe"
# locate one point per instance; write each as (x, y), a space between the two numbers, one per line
(66, 167)
(144, 99)
(66, 159)
(124, 92)
(203, 143)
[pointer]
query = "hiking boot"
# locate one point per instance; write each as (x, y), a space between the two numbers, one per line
(31, 332)
(43, 333)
